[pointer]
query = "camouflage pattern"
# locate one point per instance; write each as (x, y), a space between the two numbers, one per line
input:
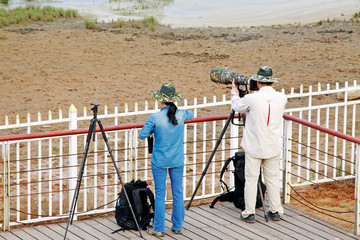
(167, 93)
(225, 76)
(264, 75)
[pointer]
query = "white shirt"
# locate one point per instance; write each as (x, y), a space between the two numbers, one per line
(262, 132)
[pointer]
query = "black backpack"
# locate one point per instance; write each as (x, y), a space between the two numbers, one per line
(237, 196)
(139, 195)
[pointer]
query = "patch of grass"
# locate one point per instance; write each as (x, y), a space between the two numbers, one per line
(32, 13)
(89, 24)
(4, 1)
(119, 23)
(351, 208)
(149, 22)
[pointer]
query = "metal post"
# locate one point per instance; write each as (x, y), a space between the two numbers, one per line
(357, 192)
(6, 188)
(287, 163)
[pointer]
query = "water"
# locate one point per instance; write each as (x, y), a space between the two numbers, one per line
(199, 13)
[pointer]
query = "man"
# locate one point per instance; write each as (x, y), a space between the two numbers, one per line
(261, 141)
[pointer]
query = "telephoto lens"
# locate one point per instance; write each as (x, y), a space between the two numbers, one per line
(225, 76)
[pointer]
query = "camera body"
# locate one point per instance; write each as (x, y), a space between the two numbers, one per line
(225, 76)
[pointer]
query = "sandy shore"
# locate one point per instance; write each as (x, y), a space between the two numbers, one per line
(50, 66)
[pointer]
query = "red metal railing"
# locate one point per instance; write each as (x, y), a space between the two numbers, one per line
(106, 128)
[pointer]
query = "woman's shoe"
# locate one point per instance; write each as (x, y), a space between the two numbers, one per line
(175, 231)
(155, 233)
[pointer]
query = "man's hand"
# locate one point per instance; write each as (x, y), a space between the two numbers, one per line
(234, 90)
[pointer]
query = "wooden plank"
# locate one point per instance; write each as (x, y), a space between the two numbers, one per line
(36, 234)
(231, 223)
(78, 231)
(197, 228)
(92, 230)
(61, 231)
(208, 226)
(168, 225)
(320, 227)
(113, 226)
(48, 232)
(186, 232)
(276, 229)
(266, 232)
(216, 223)
(9, 235)
(109, 227)
(131, 234)
(221, 222)
(22, 234)
(103, 229)
(297, 231)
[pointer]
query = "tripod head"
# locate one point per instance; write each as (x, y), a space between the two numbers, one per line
(95, 109)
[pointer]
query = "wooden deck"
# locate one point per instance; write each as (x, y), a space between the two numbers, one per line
(221, 222)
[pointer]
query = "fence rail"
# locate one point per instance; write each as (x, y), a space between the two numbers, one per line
(39, 169)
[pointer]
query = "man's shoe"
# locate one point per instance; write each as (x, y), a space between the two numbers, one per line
(155, 233)
(274, 216)
(175, 231)
(249, 219)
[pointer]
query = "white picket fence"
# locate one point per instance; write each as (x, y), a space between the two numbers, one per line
(40, 170)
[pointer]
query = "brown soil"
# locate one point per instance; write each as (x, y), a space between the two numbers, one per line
(332, 201)
(50, 66)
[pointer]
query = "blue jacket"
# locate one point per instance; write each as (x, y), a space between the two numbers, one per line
(168, 149)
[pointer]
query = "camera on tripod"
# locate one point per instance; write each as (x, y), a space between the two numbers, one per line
(225, 76)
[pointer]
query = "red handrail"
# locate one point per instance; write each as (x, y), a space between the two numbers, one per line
(106, 128)
(140, 125)
(322, 129)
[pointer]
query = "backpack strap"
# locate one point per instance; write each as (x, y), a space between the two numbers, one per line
(151, 197)
(223, 171)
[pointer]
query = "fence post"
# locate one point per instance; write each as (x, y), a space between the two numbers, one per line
(72, 155)
(287, 163)
(6, 187)
(357, 191)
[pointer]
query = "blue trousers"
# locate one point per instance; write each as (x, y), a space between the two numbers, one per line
(178, 212)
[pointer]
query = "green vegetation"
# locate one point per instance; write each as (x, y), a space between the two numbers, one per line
(22, 15)
(119, 23)
(4, 1)
(356, 15)
(136, 5)
(89, 24)
(149, 22)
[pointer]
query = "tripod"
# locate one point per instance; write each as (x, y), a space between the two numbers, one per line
(92, 131)
(242, 93)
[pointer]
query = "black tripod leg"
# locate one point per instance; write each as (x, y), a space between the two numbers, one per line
(211, 157)
(81, 172)
(262, 201)
(118, 173)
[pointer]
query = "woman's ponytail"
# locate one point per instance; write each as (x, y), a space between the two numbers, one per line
(171, 113)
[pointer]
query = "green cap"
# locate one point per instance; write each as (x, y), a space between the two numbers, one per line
(264, 75)
(167, 93)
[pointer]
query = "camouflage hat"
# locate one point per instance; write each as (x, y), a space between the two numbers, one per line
(264, 75)
(167, 93)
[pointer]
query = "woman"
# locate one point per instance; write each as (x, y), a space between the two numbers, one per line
(168, 155)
